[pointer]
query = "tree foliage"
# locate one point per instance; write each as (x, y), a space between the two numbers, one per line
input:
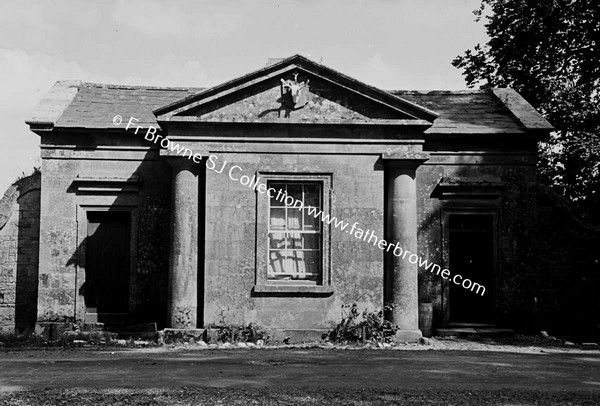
(549, 51)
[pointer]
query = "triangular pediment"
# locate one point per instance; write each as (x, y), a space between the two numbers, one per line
(297, 90)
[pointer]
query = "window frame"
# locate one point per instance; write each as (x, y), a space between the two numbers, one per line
(287, 233)
(262, 283)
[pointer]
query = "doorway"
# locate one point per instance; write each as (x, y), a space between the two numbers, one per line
(471, 246)
(107, 266)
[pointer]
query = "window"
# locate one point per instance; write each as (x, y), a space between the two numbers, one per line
(292, 246)
(294, 235)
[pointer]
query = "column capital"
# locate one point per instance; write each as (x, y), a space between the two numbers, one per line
(404, 158)
(185, 163)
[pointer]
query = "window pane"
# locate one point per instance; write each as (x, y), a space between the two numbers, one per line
(276, 262)
(277, 240)
(277, 187)
(295, 190)
(311, 195)
(294, 219)
(277, 221)
(311, 241)
(310, 222)
(312, 263)
(294, 240)
(296, 262)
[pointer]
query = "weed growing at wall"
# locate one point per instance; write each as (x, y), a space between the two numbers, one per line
(11, 339)
(365, 327)
(251, 333)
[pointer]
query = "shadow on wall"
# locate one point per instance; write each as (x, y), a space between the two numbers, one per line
(19, 249)
(123, 251)
(548, 265)
(511, 291)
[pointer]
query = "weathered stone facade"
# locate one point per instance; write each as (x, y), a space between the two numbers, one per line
(400, 164)
(19, 243)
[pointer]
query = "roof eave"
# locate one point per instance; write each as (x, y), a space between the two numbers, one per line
(39, 127)
(283, 121)
(523, 112)
(49, 110)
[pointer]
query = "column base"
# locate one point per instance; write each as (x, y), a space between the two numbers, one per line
(408, 336)
(183, 317)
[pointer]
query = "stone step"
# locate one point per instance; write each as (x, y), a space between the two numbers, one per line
(147, 331)
(466, 329)
(474, 325)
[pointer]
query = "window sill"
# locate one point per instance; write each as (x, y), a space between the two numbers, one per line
(315, 289)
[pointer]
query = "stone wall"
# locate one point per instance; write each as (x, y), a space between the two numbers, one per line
(19, 247)
(515, 211)
(356, 267)
(228, 272)
(132, 162)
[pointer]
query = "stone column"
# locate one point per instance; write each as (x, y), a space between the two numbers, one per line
(402, 229)
(183, 260)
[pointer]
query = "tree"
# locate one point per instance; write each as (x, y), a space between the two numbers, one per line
(549, 51)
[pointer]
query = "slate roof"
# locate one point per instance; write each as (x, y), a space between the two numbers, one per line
(95, 105)
(470, 111)
(74, 104)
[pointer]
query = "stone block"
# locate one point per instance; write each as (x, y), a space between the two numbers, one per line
(408, 336)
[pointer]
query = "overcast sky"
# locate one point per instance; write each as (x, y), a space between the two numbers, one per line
(391, 44)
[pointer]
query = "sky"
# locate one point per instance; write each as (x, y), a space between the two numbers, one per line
(390, 44)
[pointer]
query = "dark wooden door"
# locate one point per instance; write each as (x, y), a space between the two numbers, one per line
(471, 246)
(107, 265)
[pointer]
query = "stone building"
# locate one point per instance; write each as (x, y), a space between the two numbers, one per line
(135, 229)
